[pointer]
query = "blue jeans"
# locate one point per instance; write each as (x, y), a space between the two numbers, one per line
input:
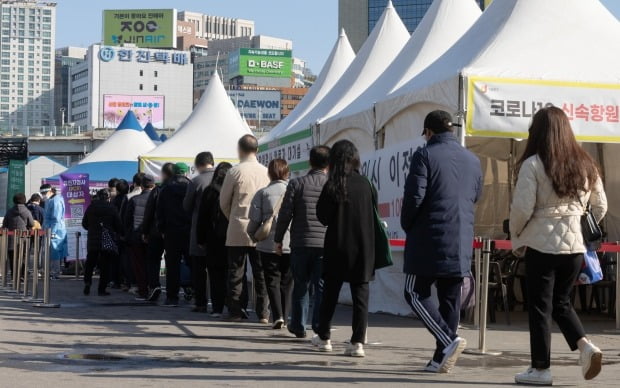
(307, 267)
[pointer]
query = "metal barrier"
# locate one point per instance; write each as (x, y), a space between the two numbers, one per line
(46, 277)
(477, 279)
(37, 235)
(78, 235)
(4, 258)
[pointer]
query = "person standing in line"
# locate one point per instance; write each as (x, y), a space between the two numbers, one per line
(112, 188)
(211, 235)
(191, 203)
(100, 216)
(443, 185)
(34, 205)
(174, 225)
(46, 192)
(276, 259)
(307, 238)
(151, 237)
(239, 187)
(120, 268)
(134, 220)
(346, 207)
(136, 185)
(55, 222)
(17, 218)
(556, 180)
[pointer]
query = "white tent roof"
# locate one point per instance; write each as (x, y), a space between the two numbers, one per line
(565, 40)
(338, 61)
(443, 24)
(214, 125)
(126, 144)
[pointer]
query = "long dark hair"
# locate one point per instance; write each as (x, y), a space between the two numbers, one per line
(220, 173)
(571, 169)
(344, 159)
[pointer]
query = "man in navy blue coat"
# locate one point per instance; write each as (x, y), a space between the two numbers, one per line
(444, 183)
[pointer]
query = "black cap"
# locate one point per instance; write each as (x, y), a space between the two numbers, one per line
(147, 181)
(439, 121)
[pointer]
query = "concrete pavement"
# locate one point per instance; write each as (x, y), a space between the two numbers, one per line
(117, 342)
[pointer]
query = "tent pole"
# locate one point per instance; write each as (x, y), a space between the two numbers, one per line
(461, 112)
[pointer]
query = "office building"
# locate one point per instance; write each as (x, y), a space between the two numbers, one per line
(216, 27)
(156, 84)
(187, 39)
(27, 37)
(359, 17)
(65, 59)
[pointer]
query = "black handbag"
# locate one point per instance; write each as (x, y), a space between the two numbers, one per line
(592, 233)
(383, 251)
(108, 241)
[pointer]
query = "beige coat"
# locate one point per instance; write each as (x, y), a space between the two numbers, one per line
(239, 187)
(539, 219)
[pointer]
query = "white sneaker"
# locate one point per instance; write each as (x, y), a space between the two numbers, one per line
(323, 345)
(133, 291)
(534, 376)
(591, 360)
(432, 367)
(278, 324)
(355, 350)
(451, 354)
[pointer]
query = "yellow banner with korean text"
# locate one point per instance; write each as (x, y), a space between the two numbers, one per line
(503, 107)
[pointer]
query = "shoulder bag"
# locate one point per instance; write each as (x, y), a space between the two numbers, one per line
(264, 230)
(383, 251)
(592, 233)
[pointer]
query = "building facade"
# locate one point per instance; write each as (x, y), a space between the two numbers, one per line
(65, 59)
(155, 84)
(27, 38)
(217, 27)
(359, 17)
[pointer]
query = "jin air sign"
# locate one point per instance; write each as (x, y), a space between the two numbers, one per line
(263, 63)
(142, 27)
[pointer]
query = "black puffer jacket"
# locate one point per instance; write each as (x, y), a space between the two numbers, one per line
(17, 218)
(299, 210)
(134, 216)
(100, 213)
(171, 217)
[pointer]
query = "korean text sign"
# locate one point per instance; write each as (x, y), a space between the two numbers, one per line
(505, 107)
(262, 63)
(146, 108)
(16, 179)
(75, 193)
(142, 27)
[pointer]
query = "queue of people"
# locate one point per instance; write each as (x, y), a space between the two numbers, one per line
(305, 237)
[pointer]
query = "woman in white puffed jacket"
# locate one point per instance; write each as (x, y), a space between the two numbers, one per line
(556, 179)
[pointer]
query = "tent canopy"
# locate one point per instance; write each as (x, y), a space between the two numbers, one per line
(337, 63)
(151, 132)
(444, 23)
(214, 125)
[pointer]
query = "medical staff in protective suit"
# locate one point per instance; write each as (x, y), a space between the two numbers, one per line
(55, 222)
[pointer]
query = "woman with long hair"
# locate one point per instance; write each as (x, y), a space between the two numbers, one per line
(346, 207)
(556, 180)
(211, 234)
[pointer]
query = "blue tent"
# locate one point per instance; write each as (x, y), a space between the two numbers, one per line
(151, 131)
(118, 156)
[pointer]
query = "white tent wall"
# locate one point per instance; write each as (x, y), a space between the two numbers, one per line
(38, 168)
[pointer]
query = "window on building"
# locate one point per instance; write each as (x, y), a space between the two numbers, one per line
(155, 87)
(141, 87)
(141, 73)
(155, 73)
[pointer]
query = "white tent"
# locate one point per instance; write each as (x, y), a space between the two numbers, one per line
(383, 45)
(214, 125)
(38, 168)
(443, 24)
(338, 61)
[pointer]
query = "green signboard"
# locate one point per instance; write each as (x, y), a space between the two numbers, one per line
(16, 181)
(263, 63)
(142, 27)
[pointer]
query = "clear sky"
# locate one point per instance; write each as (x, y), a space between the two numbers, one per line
(311, 25)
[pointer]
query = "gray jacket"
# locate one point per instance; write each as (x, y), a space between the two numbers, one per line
(261, 210)
(299, 211)
(191, 204)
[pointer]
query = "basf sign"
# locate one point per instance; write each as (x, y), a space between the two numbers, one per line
(154, 28)
(253, 104)
(261, 63)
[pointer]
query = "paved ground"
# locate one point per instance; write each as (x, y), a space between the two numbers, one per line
(136, 345)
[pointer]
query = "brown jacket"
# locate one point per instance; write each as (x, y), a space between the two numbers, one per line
(239, 187)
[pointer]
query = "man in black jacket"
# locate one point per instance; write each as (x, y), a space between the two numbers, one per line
(152, 237)
(174, 224)
(307, 234)
(444, 183)
(134, 218)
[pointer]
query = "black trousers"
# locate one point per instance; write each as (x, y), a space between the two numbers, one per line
(154, 252)
(279, 279)
(217, 267)
(440, 319)
(331, 292)
(102, 261)
(199, 280)
(237, 284)
(177, 248)
(550, 281)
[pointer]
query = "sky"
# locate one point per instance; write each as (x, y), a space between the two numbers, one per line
(311, 25)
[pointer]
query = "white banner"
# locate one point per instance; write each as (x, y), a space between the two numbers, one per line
(504, 107)
(388, 169)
